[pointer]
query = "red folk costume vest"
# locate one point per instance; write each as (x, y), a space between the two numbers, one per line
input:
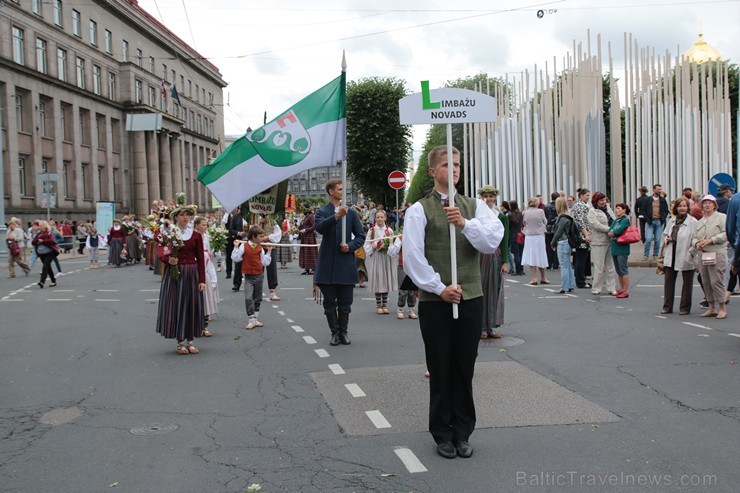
(251, 263)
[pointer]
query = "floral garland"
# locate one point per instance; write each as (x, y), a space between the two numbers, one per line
(170, 239)
(218, 238)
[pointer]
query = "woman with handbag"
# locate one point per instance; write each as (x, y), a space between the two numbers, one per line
(677, 257)
(710, 239)
(14, 239)
(47, 250)
(621, 250)
(600, 217)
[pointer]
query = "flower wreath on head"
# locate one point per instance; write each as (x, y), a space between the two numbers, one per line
(489, 189)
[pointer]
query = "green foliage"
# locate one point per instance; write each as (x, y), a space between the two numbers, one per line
(377, 143)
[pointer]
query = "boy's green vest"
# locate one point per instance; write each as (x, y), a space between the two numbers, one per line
(437, 247)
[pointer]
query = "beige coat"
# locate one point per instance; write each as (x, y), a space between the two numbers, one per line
(714, 228)
(686, 256)
(598, 226)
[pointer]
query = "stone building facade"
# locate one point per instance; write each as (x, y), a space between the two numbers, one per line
(71, 76)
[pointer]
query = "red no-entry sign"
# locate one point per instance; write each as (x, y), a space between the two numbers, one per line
(397, 180)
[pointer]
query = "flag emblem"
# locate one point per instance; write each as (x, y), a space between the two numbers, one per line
(282, 142)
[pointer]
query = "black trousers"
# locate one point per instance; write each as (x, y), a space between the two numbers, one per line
(237, 275)
(669, 289)
(46, 260)
(229, 262)
(451, 347)
(580, 261)
(337, 297)
(272, 281)
(552, 255)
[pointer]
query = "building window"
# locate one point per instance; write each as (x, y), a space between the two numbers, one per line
(124, 50)
(114, 177)
(41, 55)
(63, 122)
(93, 33)
(18, 46)
(197, 93)
(100, 130)
(203, 92)
(108, 41)
(85, 177)
(18, 112)
(112, 87)
(151, 64)
(115, 130)
(139, 95)
(182, 83)
(139, 57)
(190, 89)
(65, 178)
(36, 6)
(76, 24)
(96, 80)
(174, 77)
(42, 118)
(152, 97)
(22, 175)
(80, 73)
(101, 188)
(85, 127)
(44, 166)
(58, 12)
(164, 72)
(62, 64)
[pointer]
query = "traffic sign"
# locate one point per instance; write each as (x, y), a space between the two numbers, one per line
(720, 179)
(397, 180)
(48, 176)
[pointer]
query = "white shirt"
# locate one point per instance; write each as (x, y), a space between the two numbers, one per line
(277, 233)
(265, 258)
(484, 232)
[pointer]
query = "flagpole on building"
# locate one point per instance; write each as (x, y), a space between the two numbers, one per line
(344, 172)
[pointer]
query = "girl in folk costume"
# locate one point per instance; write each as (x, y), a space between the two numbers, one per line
(493, 266)
(133, 245)
(93, 243)
(148, 232)
(307, 257)
(180, 249)
(406, 287)
(382, 275)
(116, 239)
(210, 295)
(284, 255)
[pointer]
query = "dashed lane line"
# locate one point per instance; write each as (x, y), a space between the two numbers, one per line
(290, 321)
(281, 313)
(297, 328)
(59, 299)
(355, 390)
(661, 317)
(309, 340)
(698, 326)
(412, 463)
(336, 369)
(103, 299)
(733, 334)
(321, 353)
(378, 419)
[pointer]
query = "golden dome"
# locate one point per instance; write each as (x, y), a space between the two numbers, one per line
(701, 52)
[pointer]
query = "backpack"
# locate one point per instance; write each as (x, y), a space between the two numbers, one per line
(571, 231)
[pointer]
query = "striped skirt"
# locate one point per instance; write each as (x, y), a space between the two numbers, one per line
(284, 255)
(180, 315)
(151, 251)
(493, 290)
(133, 247)
(382, 272)
(114, 251)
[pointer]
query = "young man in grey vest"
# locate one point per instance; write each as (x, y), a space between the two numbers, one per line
(451, 345)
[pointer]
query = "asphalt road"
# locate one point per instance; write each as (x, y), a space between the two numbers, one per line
(585, 394)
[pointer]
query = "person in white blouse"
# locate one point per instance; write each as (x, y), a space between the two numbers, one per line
(451, 345)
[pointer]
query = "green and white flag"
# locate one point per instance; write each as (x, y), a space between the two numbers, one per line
(311, 134)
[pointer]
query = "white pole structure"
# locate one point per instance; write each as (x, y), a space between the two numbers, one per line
(451, 197)
(344, 174)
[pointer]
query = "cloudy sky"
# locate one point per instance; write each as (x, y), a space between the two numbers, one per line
(272, 54)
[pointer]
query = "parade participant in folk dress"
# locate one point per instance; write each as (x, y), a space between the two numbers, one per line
(133, 244)
(274, 237)
(450, 344)
(307, 257)
(180, 313)
(493, 267)
(406, 288)
(147, 233)
(284, 255)
(210, 295)
(93, 243)
(253, 259)
(116, 239)
(381, 268)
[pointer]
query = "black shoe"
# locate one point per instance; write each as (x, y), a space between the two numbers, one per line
(228, 276)
(562, 291)
(464, 449)
(40, 285)
(344, 339)
(447, 450)
(235, 288)
(704, 304)
(335, 341)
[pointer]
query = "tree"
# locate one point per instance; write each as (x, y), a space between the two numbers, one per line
(377, 143)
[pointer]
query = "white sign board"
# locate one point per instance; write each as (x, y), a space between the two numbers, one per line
(104, 214)
(265, 202)
(448, 105)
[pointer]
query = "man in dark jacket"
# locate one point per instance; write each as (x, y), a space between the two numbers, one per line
(551, 215)
(655, 214)
(236, 232)
(641, 205)
(336, 271)
(724, 194)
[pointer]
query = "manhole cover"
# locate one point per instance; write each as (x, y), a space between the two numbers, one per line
(503, 342)
(153, 429)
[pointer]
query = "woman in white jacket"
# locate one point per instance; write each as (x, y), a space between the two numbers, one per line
(677, 257)
(210, 295)
(600, 217)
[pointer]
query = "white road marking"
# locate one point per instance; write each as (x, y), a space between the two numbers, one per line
(59, 299)
(571, 295)
(378, 419)
(552, 297)
(663, 318)
(336, 369)
(103, 299)
(321, 353)
(275, 306)
(733, 334)
(282, 314)
(106, 290)
(354, 389)
(64, 290)
(309, 340)
(289, 320)
(552, 290)
(512, 280)
(699, 326)
(149, 290)
(410, 461)
(12, 299)
(297, 328)
(151, 299)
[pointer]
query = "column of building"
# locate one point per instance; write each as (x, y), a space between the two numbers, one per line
(139, 158)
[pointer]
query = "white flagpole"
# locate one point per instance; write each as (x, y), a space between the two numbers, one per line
(451, 198)
(344, 174)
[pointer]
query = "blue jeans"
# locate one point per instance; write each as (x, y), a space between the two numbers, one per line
(653, 231)
(567, 276)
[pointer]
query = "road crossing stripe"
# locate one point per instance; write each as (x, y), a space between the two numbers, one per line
(289, 320)
(410, 461)
(282, 314)
(699, 326)
(106, 290)
(149, 290)
(309, 340)
(658, 316)
(297, 328)
(102, 299)
(64, 290)
(321, 353)
(354, 389)
(512, 280)
(378, 419)
(59, 299)
(336, 369)
(733, 334)
(12, 299)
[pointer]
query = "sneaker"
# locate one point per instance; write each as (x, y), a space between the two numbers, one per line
(257, 323)
(412, 314)
(385, 310)
(250, 325)
(379, 310)
(399, 315)
(274, 297)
